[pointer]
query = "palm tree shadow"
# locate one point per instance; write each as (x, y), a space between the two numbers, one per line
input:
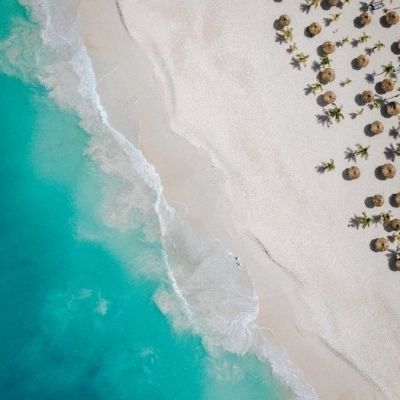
(376, 219)
(393, 132)
(390, 153)
(364, 6)
(354, 43)
(316, 66)
(323, 119)
(350, 155)
(308, 90)
(279, 38)
(353, 115)
(320, 169)
(354, 223)
(370, 78)
(305, 8)
(327, 21)
(392, 257)
(295, 64)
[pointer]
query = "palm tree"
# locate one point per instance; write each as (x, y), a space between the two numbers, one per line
(360, 112)
(314, 3)
(325, 61)
(386, 217)
(377, 104)
(328, 166)
(347, 81)
(364, 38)
(302, 58)
(286, 34)
(378, 46)
(292, 47)
(335, 113)
(388, 69)
(364, 220)
(345, 40)
(315, 87)
(362, 151)
(335, 17)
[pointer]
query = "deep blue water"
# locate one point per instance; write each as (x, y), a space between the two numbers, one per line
(77, 322)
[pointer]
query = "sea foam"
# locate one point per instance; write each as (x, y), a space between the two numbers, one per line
(205, 289)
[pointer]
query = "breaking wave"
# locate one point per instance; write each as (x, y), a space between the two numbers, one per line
(204, 289)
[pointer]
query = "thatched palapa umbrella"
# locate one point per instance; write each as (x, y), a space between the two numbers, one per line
(367, 96)
(362, 61)
(381, 244)
(328, 47)
(378, 200)
(388, 171)
(393, 108)
(395, 224)
(284, 20)
(353, 172)
(365, 19)
(315, 28)
(376, 127)
(329, 97)
(397, 265)
(392, 18)
(332, 3)
(387, 85)
(397, 199)
(327, 75)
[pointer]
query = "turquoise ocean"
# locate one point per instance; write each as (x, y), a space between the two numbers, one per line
(102, 292)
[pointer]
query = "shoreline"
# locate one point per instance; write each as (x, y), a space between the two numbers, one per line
(191, 169)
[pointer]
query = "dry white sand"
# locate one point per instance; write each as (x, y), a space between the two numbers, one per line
(225, 120)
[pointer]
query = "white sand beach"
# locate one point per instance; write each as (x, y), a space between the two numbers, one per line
(224, 118)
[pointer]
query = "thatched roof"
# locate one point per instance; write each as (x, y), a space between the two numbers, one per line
(328, 47)
(333, 3)
(381, 244)
(353, 172)
(378, 200)
(367, 96)
(365, 18)
(327, 75)
(397, 265)
(376, 127)
(395, 224)
(329, 97)
(314, 28)
(284, 20)
(392, 18)
(393, 108)
(387, 85)
(388, 170)
(362, 61)
(397, 198)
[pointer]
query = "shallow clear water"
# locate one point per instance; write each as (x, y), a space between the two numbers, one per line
(79, 317)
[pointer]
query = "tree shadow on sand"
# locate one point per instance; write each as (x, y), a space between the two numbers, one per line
(390, 153)
(324, 120)
(350, 155)
(392, 256)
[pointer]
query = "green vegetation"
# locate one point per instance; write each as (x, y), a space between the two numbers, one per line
(362, 151)
(335, 113)
(328, 166)
(364, 220)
